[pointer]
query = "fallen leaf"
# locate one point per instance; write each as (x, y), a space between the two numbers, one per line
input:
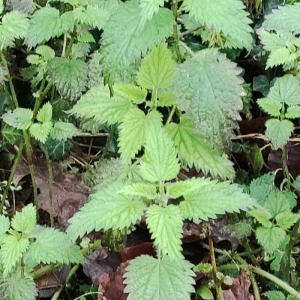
(194, 232)
(135, 251)
(239, 290)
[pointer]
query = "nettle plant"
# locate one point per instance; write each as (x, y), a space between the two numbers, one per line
(25, 245)
(153, 152)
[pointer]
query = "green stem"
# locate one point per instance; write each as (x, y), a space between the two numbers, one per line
(69, 49)
(171, 114)
(58, 292)
(276, 280)
(12, 174)
(42, 94)
(214, 268)
(31, 168)
(10, 82)
(50, 171)
(285, 167)
(255, 286)
(175, 32)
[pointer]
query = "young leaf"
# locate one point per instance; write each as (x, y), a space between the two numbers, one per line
(147, 278)
(293, 112)
(69, 77)
(62, 131)
(270, 238)
(214, 199)
(205, 293)
(286, 90)
(278, 132)
(45, 24)
(166, 98)
(196, 152)
(120, 53)
(275, 295)
(165, 225)
(131, 92)
(20, 118)
(159, 162)
(107, 209)
(263, 217)
(180, 188)
(270, 106)
(45, 113)
(132, 134)
(98, 104)
(157, 69)
(40, 131)
(18, 287)
(12, 249)
(25, 220)
(261, 187)
(14, 26)
(226, 16)
(146, 190)
(52, 246)
(4, 226)
(286, 220)
(209, 89)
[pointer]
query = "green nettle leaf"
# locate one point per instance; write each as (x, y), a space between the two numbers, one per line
(150, 7)
(107, 209)
(293, 112)
(133, 131)
(262, 216)
(165, 225)
(17, 287)
(261, 187)
(205, 293)
(166, 98)
(14, 26)
(159, 162)
(180, 188)
(45, 24)
(12, 249)
(214, 198)
(209, 89)
(91, 16)
(270, 238)
(141, 189)
(25, 220)
(148, 278)
(286, 220)
(132, 134)
(193, 149)
(98, 104)
(69, 76)
(20, 118)
(62, 131)
(11, 134)
(226, 16)
(286, 90)
(45, 113)
(275, 295)
(270, 106)
(285, 18)
(120, 53)
(131, 92)
(52, 246)
(278, 132)
(157, 69)
(40, 131)
(4, 226)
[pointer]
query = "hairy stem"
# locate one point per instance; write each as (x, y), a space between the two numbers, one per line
(175, 31)
(31, 167)
(214, 268)
(50, 171)
(276, 280)
(10, 82)
(285, 167)
(12, 174)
